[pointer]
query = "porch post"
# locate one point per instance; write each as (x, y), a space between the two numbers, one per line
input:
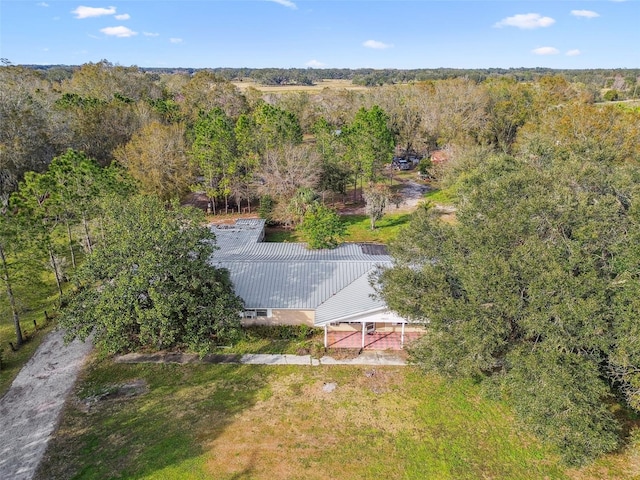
(325, 335)
(363, 329)
(402, 336)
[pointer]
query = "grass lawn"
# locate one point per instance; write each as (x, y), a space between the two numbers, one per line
(358, 229)
(268, 422)
(441, 197)
(387, 228)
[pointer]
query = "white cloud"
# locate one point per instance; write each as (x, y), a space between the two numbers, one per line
(121, 32)
(315, 64)
(526, 21)
(376, 45)
(42, 4)
(573, 53)
(285, 3)
(545, 51)
(123, 16)
(175, 40)
(88, 12)
(585, 13)
(150, 34)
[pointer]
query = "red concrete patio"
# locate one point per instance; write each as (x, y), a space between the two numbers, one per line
(372, 341)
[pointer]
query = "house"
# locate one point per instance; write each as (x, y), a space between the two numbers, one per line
(288, 284)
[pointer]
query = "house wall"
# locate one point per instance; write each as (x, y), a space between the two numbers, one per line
(282, 317)
(380, 327)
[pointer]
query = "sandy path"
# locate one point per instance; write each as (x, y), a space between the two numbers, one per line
(412, 193)
(30, 410)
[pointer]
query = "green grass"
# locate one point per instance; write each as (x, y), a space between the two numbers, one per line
(442, 197)
(292, 340)
(261, 422)
(358, 229)
(277, 234)
(387, 229)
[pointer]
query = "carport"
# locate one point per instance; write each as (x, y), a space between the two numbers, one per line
(378, 340)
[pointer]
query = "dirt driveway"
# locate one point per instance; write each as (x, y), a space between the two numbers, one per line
(412, 193)
(30, 410)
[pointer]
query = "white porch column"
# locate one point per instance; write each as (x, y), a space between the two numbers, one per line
(325, 335)
(402, 336)
(363, 332)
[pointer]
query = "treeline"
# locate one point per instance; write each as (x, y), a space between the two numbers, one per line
(623, 80)
(179, 132)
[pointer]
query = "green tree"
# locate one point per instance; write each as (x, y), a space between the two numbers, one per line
(532, 288)
(275, 128)
(214, 152)
(76, 182)
(611, 95)
(303, 199)
(369, 144)
(151, 285)
(322, 227)
(334, 175)
(37, 202)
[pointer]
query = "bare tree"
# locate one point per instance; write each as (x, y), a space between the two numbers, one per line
(452, 111)
(285, 170)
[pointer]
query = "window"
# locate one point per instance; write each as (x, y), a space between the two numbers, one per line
(261, 312)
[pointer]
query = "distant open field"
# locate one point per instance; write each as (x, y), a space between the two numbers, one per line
(318, 87)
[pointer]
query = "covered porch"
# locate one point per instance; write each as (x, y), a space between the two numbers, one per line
(377, 340)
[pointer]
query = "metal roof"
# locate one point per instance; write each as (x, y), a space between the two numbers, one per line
(290, 276)
(356, 298)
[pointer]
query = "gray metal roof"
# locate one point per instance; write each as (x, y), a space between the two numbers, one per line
(290, 276)
(244, 233)
(356, 298)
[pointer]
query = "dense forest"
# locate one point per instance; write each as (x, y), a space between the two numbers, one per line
(533, 289)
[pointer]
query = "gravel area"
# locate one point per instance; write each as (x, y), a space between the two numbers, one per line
(30, 410)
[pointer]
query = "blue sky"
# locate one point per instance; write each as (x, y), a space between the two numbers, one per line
(329, 33)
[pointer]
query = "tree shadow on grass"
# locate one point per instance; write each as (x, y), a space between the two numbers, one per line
(167, 428)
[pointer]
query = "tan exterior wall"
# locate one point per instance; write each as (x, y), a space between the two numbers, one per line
(380, 327)
(282, 317)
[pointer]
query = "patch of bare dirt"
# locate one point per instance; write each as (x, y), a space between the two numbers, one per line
(123, 391)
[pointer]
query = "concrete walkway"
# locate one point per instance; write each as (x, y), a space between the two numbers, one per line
(365, 358)
(30, 410)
